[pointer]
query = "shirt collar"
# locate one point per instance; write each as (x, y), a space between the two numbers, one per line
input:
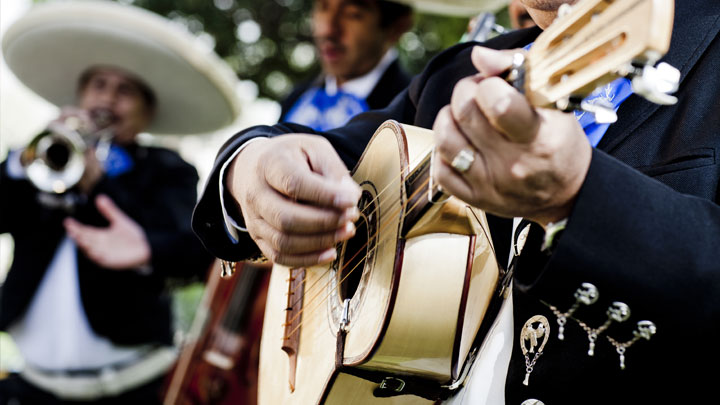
(362, 86)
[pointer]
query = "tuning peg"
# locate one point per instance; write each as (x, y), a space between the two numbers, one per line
(656, 83)
(603, 110)
(564, 10)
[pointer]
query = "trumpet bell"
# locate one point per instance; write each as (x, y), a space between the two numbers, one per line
(55, 160)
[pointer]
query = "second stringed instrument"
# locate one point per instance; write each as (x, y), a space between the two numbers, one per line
(218, 361)
(397, 312)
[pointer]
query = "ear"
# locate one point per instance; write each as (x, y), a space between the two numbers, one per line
(401, 26)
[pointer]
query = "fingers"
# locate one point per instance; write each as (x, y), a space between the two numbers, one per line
(292, 233)
(449, 138)
(298, 260)
(83, 235)
(507, 110)
(296, 197)
(491, 62)
(109, 210)
(315, 175)
(293, 217)
(299, 249)
(88, 239)
(75, 119)
(504, 107)
(301, 184)
(450, 141)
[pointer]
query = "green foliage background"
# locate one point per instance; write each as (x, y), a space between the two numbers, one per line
(279, 49)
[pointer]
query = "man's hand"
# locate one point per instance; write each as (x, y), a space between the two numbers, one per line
(528, 162)
(93, 172)
(296, 197)
(123, 245)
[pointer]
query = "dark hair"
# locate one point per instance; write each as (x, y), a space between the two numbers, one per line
(391, 12)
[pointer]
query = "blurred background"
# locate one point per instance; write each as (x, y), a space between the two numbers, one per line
(266, 42)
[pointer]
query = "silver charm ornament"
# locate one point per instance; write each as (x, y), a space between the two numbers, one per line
(618, 312)
(533, 337)
(645, 330)
(586, 294)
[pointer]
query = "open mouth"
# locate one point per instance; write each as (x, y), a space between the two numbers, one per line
(103, 117)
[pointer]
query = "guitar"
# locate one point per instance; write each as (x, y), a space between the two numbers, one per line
(397, 312)
(219, 360)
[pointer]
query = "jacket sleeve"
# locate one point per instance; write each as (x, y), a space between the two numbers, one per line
(349, 142)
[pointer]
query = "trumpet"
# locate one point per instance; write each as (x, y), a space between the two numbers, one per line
(54, 160)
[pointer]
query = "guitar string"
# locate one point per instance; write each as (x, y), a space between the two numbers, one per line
(417, 161)
(349, 260)
(313, 300)
(308, 292)
(394, 181)
(307, 309)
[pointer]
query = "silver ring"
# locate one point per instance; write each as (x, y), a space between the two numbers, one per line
(463, 160)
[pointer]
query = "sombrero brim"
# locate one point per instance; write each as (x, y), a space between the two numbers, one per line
(53, 44)
(460, 8)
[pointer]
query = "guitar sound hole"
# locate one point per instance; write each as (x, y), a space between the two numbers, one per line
(353, 260)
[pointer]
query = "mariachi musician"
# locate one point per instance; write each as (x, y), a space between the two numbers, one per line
(100, 221)
(613, 296)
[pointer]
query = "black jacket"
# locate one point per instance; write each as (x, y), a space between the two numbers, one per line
(124, 306)
(645, 230)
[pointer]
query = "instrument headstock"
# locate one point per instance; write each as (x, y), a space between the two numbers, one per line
(596, 41)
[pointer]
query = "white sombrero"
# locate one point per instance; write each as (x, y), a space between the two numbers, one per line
(53, 44)
(455, 7)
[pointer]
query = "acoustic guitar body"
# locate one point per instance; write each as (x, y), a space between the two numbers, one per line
(413, 284)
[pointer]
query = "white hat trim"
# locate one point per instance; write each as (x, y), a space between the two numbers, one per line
(195, 90)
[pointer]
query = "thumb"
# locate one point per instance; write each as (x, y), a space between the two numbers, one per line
(490, 62)
(109, 210)
(343, 190)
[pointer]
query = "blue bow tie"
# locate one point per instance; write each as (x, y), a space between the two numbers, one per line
(611, 96)
(321, 111)
(118, 161)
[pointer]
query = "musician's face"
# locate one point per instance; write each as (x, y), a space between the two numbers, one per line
(544, 11)
(119, 95)
(349, 38)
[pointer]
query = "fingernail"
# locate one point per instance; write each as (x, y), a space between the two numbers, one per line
(346, 232)
(349, 184)
(483, 52)
(492, 58)
(350, 215)
(501, 106)
(328, 255)
(344, 200)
